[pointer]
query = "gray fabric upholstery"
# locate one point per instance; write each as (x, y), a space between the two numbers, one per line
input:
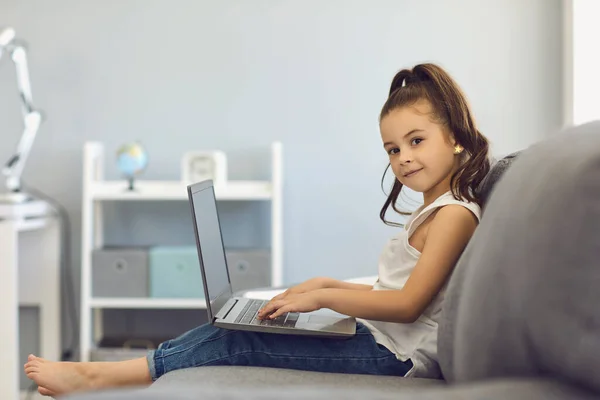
(448, 318)
(524, 299)
(516, 389)
(260, 377)
(496, 172)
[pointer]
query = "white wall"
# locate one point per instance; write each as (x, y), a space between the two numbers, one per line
(582, 61)
(238, 74)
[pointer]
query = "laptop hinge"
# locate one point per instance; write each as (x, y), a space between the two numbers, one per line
(227, 307)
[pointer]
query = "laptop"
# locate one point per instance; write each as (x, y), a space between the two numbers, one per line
(225, 309)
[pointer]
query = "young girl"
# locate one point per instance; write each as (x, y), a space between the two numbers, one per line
(434, 148)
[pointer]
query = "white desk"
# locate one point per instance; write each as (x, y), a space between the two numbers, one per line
(30, 276)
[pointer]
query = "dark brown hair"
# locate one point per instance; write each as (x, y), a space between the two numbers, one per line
(449, 108)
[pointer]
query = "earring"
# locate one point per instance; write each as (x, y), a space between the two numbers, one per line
(458, 149)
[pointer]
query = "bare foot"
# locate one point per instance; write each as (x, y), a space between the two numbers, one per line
(57, 378)
(45, 392)
(54, 378)
(41, 390)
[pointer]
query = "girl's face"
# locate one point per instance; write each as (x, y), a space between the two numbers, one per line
(421, 151)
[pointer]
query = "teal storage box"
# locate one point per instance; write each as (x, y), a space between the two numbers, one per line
(175, 272)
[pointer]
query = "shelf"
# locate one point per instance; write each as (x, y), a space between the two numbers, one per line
(176, 190)
(99, 189)
(149, 303)
(31, 224)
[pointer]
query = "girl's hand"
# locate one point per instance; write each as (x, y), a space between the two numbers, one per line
(307, 286)
(304, 302)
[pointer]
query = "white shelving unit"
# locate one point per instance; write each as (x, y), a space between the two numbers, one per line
(115, 302)
(96, 191)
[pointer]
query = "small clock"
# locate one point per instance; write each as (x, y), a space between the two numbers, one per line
(202, 165)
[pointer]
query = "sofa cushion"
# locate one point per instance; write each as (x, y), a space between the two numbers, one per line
(530, 389)
(523, 300)
(260, 377)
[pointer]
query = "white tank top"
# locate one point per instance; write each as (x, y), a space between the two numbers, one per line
(417, 340)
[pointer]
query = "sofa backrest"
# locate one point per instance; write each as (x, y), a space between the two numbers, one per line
(523, 299)
(496, 172)
(445, 332)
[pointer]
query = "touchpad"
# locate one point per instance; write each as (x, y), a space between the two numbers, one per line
(322, 319)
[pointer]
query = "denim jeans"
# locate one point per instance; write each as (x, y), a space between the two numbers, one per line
(208, 345)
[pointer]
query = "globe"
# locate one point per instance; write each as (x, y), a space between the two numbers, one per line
(132, 160)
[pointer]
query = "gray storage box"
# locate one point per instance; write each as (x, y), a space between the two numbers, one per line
(120, 272)
(249, 269)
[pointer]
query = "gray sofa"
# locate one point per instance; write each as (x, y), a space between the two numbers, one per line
(522, 316)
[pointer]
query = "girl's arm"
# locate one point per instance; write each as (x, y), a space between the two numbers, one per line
(448, 235)
(335, 284)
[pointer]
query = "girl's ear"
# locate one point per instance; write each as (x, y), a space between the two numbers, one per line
(452, 139)
(458, 148)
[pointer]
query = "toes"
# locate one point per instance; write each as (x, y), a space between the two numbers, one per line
(32, 375)
(31, 364)
(31, 369)
(33, 357)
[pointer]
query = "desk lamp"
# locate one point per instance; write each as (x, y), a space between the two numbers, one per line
(32, 118)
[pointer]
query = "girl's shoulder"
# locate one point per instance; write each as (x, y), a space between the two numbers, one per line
(445, 199)
(448, 199)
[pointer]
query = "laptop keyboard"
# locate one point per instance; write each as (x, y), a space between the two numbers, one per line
(249, 315)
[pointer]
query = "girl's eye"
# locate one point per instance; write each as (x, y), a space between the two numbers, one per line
(416, 141)
(393, 151)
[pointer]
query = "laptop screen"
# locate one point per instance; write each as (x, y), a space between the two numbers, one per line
(208, 230)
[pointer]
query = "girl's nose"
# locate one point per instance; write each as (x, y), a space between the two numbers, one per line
(405, 157)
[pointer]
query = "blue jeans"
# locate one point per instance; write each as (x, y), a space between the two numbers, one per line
(208, 345)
